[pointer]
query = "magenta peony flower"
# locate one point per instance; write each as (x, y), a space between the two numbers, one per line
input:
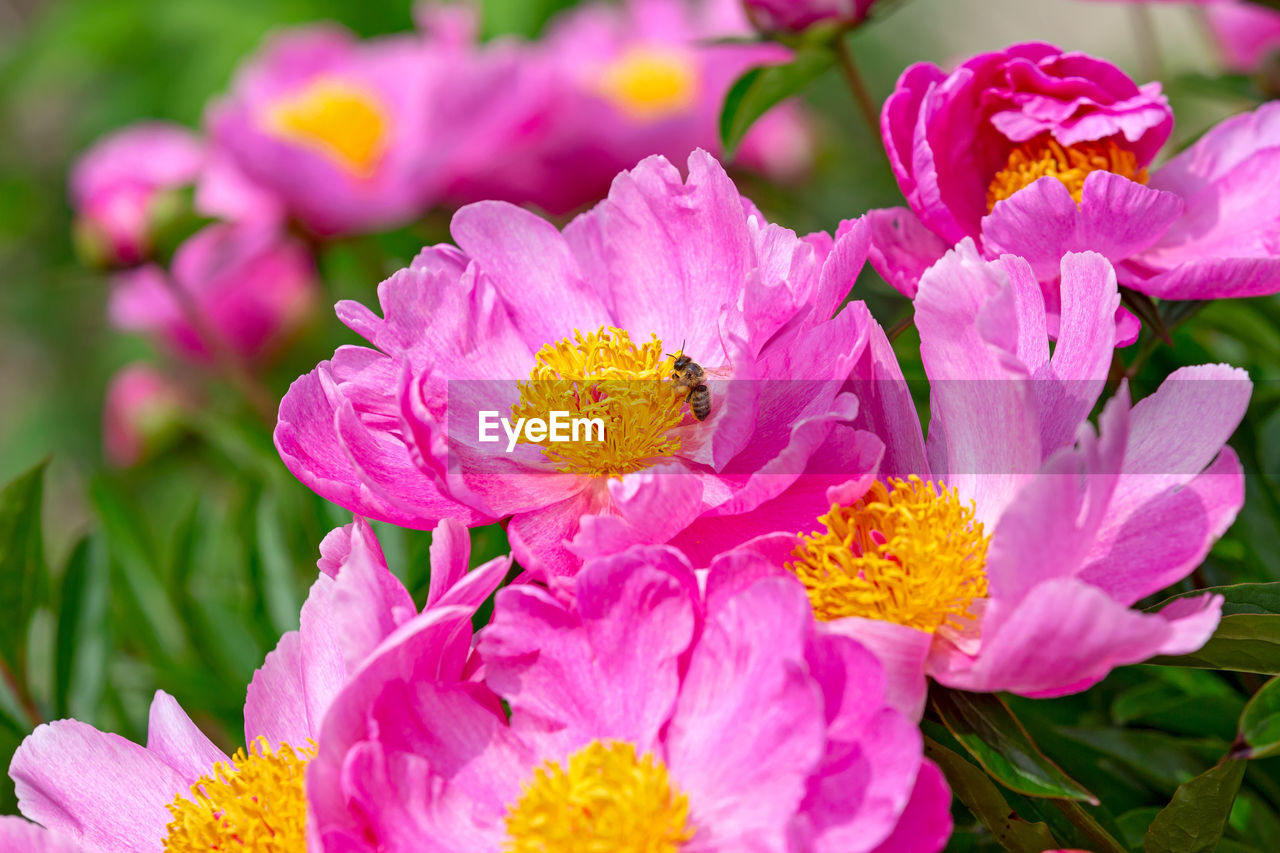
(793, 16)
(642, 716)
(142, 408)
(355, 136)
(522, 321)
(249, 284)
(121, 189)
(625, 82)
(1034, 152)
(183, 793)
(1005, 553)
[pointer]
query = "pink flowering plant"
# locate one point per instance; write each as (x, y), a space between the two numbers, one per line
(726, 426)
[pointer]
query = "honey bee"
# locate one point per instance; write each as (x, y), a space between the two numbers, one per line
(689, 374)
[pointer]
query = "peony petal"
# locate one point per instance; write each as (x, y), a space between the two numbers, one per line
(64, 771)
(976, 388)
(1146, 553)
(877, 774)
(178, 742)
(23, 836)
(902, 248)
(1224, 245)
(901, 649)
(1066, 635)
(886, 408)
(1082, 358)
(925, 824)
(607, 668)
(673, 242)
(749, 727)
(288, 696)
(368, 601)
(648, 508)
(309, 437)
(450, 555)
(1116, 218)
(532, 267)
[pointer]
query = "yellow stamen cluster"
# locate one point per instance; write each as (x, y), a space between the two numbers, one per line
(1044, 156)
(604, 375)
(910, 553)
(256, 804)
(343, 121)
(650, 84)
(607, 800)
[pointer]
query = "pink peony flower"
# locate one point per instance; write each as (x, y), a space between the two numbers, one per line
(121, 189)
(142, 408)
(1006, 552)
(793, 16)
(180, 789)
(520, 315)
(625, 82)
(358, 135)
(1246, 33)
(249, 285)
(643, 715)
(1034, 152)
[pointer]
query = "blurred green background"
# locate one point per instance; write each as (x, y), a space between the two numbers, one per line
(181, 574)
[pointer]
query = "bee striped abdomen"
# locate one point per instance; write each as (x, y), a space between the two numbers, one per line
(700, 402)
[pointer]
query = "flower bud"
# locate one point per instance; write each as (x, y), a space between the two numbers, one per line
(141, 414)
(793, 16)
(128, 186)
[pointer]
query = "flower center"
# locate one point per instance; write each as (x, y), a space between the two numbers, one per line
(343, 121)
(909, 553)
(650, 83)
(1044, 156)
(608, 799)
(603, 377)
(254, 804)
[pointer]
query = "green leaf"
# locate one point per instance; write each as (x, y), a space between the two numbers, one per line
(976, 790)
(985, 726)
(1244, 642)
(762, 88)
(1260, 724)
(80, 657)
(1175, 708)
(278, 585)
(1162, 761)
(1196, 816)
(1087, 827)
(161, 628)
(21, 561)
(1254, 598)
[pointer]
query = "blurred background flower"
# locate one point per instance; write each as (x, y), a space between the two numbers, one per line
(241, 165)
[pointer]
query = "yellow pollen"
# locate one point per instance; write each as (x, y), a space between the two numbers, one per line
(909, 553)
(256, 803)
(1044, 156)
(343, 121)
(650, 84)
(607, 377)
(608, 800)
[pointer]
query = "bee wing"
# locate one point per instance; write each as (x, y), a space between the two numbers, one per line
(718, 373)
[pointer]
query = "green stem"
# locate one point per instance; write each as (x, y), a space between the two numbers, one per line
(20, 693)
(857, 86)
(1150, 59)
(227, 360)
(900, 327)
